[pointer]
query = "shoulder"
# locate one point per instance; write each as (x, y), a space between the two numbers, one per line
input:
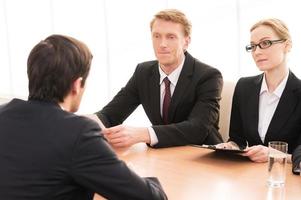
(72, 129)
(294, 79)
(146, 67)
(195, 66)
(81, 123)
(2, 106)
(148, 64)
(250, 80)
(294, 84)
(48, 117)
(12, 105)
(51, 115)
(205, 69)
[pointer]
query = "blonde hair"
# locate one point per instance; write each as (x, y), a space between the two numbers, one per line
(173, 15)
(277, 25)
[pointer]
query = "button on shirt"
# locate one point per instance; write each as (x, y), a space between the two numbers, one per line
(268, 102)
(173, 78)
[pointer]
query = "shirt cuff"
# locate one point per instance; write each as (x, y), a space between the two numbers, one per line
(153, 136)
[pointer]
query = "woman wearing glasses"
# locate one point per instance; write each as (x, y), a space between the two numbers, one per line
(266, 107)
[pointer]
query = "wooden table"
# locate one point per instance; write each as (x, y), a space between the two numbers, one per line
(193, 173)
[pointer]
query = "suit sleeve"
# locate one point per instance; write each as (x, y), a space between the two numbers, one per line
(122, 105)
(296, 159)
(236, 133)
(202, 121)
(96, 167)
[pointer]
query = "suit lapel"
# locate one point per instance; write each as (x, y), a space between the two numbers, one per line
(285, 108)
(183, 83)
(253, 107)
(154, 98)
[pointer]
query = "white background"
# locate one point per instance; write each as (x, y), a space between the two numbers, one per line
(118, 34)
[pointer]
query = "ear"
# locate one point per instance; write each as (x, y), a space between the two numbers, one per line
(77, 86)
(187, 40)
(288, 46)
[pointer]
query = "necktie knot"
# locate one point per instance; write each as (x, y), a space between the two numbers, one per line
(166, 81)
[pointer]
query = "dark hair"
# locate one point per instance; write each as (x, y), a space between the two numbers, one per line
(54, 64)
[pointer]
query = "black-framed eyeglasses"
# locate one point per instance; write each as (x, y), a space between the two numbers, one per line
(263, 44)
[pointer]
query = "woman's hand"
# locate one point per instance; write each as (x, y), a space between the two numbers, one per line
(227, 145)
(257, 153)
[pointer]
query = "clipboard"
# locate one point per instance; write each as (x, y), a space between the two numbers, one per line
(213, 147)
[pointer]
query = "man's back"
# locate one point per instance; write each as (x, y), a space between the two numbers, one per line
(36, 143)
(47, 153)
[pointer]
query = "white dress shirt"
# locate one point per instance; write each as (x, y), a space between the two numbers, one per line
(268, 102)
(173, 78)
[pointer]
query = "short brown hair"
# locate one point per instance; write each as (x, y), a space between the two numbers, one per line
(175, 16)
(54, 64)
(277, 25)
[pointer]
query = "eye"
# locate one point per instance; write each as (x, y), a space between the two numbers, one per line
(156, 36)
(171, 37)
(265, 43)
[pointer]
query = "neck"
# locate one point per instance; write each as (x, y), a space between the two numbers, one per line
(66, 104)
(64, 107)
(274, 77)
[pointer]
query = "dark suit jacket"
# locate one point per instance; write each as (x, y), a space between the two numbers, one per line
(194, 109)
(47, 153)
(296, 159)
(286, 121)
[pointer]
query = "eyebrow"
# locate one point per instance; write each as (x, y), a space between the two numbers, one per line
(262, 39)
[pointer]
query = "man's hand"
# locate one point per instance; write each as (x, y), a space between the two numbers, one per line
(125, 136)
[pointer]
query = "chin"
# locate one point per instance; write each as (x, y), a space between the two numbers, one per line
(263, 68)
(164, 59)
(165, 62)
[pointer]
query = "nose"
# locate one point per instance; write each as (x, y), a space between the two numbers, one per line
(163, 42)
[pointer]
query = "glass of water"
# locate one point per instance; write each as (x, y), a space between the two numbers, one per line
(277, 163)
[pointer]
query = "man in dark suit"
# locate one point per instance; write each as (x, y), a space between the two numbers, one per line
(46, 151)
(185, 110)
